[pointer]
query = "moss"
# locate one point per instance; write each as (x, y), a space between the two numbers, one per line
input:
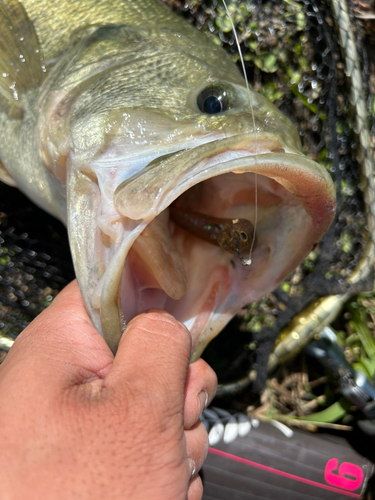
(346, 241)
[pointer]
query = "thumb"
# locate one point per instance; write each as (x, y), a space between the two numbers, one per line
(152, 360)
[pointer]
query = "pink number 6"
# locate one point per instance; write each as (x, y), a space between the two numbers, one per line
(348, 476)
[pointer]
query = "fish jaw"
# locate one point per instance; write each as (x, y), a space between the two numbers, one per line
(140, 259)
(127, 154)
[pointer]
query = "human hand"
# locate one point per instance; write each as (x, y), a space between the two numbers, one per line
(77, 423)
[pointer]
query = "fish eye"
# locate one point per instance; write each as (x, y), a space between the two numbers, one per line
(243, 236)
(212, 101)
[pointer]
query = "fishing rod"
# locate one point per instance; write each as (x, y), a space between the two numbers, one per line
(250, 459)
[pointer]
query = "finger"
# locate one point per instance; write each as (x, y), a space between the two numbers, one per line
(153, 358)
(197, 445)
(200, 389)
(195, 491)
(61, 344)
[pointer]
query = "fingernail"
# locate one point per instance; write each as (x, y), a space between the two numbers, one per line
(192, 467)
(203, 400)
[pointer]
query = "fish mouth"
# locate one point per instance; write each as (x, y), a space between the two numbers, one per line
(145, 258)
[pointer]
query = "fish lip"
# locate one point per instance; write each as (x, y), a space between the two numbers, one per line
(261, 163)
(257, 157)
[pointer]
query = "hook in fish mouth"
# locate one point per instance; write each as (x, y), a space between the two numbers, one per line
(236, 236)
(154, 248)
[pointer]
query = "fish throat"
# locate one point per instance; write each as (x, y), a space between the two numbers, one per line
(190, 259)
(232, 235)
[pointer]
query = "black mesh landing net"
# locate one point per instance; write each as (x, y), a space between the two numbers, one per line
(35, 261)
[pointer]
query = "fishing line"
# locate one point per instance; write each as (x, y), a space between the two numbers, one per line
(247, 262)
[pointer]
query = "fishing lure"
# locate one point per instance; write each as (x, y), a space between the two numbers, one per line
(232, 235)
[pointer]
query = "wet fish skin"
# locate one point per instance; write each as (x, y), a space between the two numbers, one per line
(67, 21)
(104, 132)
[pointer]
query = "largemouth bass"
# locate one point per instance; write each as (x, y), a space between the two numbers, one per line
(181, 189)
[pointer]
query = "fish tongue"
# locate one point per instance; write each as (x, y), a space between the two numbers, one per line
(156, 248)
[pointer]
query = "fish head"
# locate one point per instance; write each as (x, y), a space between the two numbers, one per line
(139, 121)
